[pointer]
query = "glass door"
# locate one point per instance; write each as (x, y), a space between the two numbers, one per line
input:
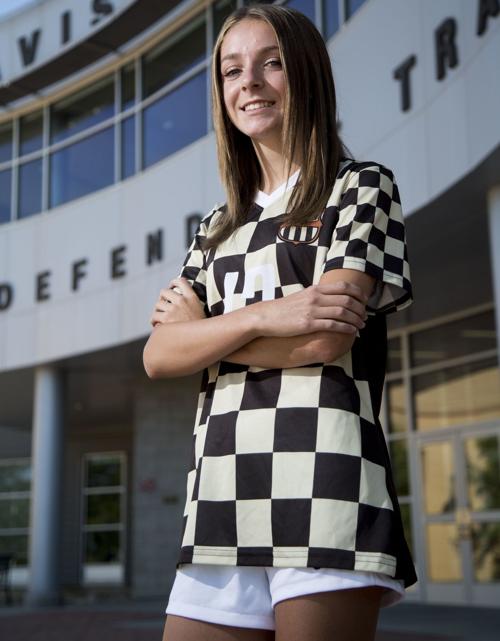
(460, 481)
(481, 454)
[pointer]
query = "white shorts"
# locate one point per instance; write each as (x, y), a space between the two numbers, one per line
(244, 596)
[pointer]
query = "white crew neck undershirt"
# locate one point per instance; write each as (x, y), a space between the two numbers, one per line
(264, 200)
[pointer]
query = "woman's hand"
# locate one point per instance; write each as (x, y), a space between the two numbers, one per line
(336, 307)
(178, 303)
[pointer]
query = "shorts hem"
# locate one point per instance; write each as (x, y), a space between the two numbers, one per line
(222, 617)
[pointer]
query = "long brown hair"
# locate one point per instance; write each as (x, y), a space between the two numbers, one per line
(309, 124)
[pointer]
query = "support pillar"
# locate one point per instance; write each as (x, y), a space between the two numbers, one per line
(47, 463)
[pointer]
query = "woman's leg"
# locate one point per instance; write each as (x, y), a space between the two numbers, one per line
(341, 615)
(183, 629)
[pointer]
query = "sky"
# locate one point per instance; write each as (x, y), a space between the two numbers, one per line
(6, 6)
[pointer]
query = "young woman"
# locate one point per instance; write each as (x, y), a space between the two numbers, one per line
(292, 528)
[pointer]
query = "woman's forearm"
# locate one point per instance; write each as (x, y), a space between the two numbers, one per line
(185, 347)
(292, 351)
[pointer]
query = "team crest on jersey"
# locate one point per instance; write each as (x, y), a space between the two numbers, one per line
(301, 234)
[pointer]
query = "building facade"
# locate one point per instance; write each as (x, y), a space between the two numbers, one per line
(107, 162)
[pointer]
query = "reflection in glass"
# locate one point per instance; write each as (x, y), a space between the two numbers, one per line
(103, 509)
(304, 6)
(128, 147)
(30, 133)
(351, 6)
(17, 546)
(30, 188)
(14, 513)
(460, 338)
(394, 355)
(438, 474)
(103, 472)
(15, 477)
(443, 553)
(331, 17)
(221, 10)
(5, 192)
(483, 472)
(406, 518)
(457, 395)
(399, 462)
(174, 56)
(175, 120)
(486, 552)
(128, 86)
(81, 168)
(102, 547)
(397, 416)
(84, 109)
(5, 142)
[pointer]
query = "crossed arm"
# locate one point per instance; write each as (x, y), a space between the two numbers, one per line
(316, 325)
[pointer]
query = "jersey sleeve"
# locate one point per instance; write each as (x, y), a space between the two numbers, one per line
(194, 266)
(370, 236)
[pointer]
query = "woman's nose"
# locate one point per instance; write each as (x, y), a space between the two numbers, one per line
(251, 78)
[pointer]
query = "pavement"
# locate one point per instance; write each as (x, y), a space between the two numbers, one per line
(144, 621)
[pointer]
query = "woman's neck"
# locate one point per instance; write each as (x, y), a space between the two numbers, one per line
(273, 167)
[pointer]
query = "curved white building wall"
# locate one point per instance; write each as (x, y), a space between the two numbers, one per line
(450, 127)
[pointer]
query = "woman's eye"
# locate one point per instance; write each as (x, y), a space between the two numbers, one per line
(274, 62)
(230, 72)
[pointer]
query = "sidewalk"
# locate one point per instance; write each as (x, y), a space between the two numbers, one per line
(144, 621)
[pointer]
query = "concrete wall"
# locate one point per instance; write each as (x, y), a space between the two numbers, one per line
(163, 428)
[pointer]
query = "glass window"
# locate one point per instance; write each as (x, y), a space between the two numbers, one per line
(221, 10)
(104, 471)
(438, 475)
(82, 110)
(30, 133)
(128, 147)
(351, 6)
(173, 57)
(443, 553)
(15, 477)
(399, 462)
(15, 546)
(486, 552)
(83, 167)
(5, 191)
(30, 188)
(5, 142)
(104, 517)
(394, 355)
(15, 487)
(304, 6)
(457, 395)
(14, 513)
(128, 86)
(331, 17)
(175, 120)
(397, 415)
(483, 472)
(460, 338)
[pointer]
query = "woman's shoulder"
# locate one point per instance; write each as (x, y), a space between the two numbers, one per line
(217, 210)
(359, 173)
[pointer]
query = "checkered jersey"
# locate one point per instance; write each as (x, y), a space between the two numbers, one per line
(290, 466)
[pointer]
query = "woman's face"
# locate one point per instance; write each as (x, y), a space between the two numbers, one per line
(253, 81)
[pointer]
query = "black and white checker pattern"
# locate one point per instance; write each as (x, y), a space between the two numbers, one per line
(290, 466)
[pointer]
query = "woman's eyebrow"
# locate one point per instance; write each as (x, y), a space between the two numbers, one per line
(232, 56)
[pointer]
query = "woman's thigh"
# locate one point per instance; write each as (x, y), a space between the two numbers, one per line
(341, 615)
(179, 628)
